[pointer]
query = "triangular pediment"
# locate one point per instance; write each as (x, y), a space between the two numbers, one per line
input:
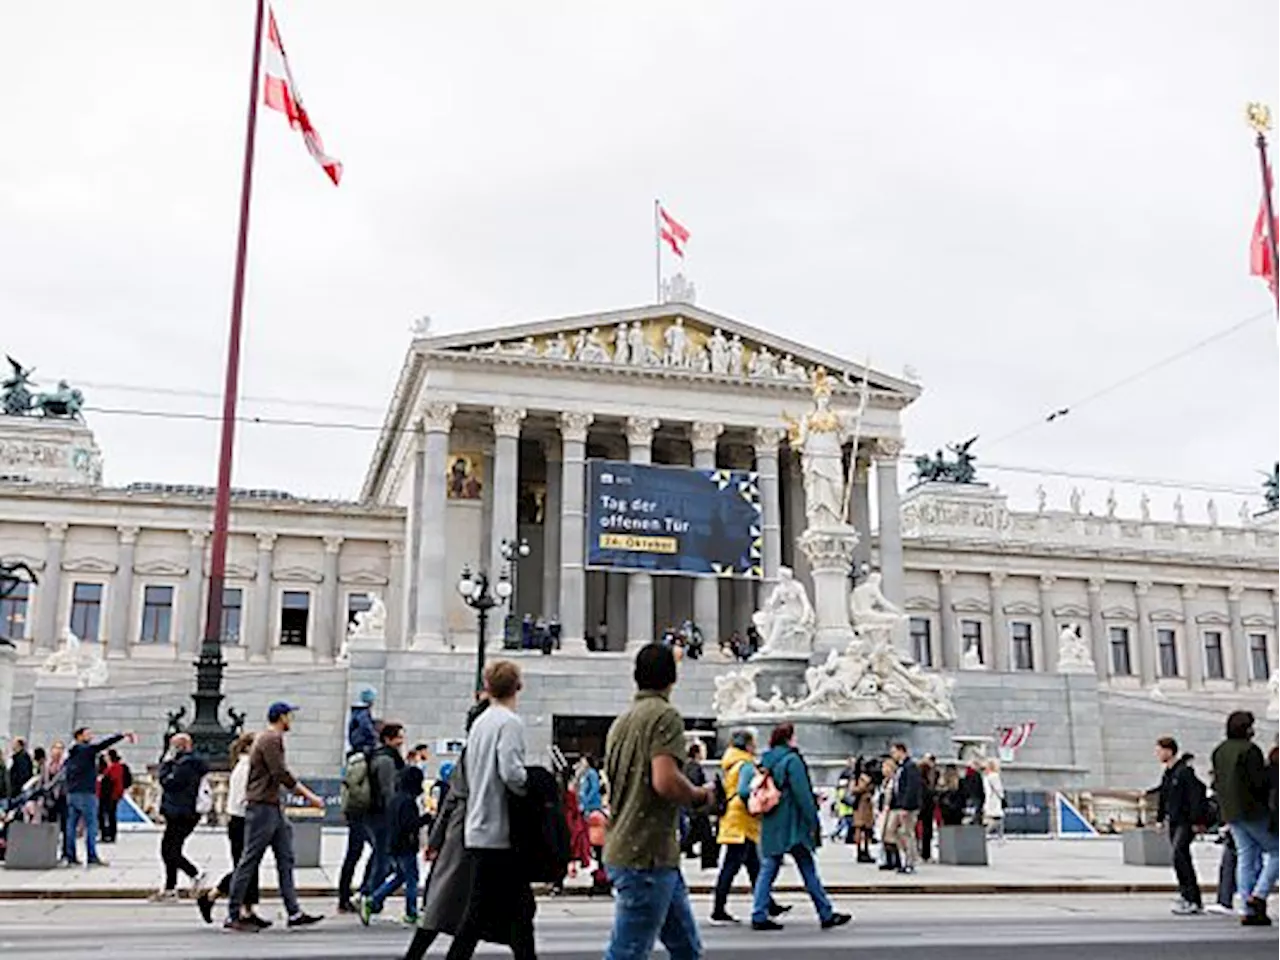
(671, 337)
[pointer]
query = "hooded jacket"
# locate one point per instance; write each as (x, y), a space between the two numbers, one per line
(1240, 781)
(738, 825)
(404, 822)
(794, 821)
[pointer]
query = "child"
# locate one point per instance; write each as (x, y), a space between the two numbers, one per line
(404, 823)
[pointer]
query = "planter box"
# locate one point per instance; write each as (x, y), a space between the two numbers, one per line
(1147, 848)
(307, 835)
(963, 846)
(32, 846)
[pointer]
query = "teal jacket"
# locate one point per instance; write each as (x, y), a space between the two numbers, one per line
(794, 821)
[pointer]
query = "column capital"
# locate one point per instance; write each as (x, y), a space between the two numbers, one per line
(946, 575)
(438, 417)
(998, 577)
(574, 424)
(57, 530)
(1047, 581)
(1235, 591)
(507, 420)
(1142, 587)
(1189, 591)
(640, 430)
(333, 544)
(128, 535)
(886, 449)
(197, 538)
(1096, 584)
(704, 435)
(766, 439)
(266, 542)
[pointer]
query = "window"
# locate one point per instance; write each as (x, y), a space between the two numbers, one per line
(1121, 665)
(1259, 660)
(157, 614)
(1215, 667)
(971, 638)
(86, 610)
(13, 608)
(357, 603)
(1167, 652)
(921, 645)
(232, 614)
(295, 609)
(1024, 657)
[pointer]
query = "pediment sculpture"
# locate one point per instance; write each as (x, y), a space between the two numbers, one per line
(787, 620)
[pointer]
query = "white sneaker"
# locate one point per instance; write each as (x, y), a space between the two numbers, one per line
(1187, 909)
(1219, 910)
(164, 896)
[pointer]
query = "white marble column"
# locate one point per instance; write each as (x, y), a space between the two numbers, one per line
(1047, 654)
(49, 590)
(551, 530)
(1273, 635)
(260, 634)
(189, 632)
(706, 590)
(861, 507)
(395, 598)
(890, 516)
(506, 500)
(796, 517)
(414, 545)
(1239, 639)
(766, 446)
(640, 628)
(430, 572)
(997, 657)
(949, 636)
(327, 615)
(122, 594)
(1098, 629)
(573, 491)
(1193, 646)
(1145, 641)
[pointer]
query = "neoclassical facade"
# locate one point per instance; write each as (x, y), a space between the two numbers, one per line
(488, 434)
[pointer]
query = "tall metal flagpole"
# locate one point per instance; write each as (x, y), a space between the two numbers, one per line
(205, 727)
(657, 251)
(1260, 119)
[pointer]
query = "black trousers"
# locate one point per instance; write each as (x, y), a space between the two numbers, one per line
(107, 825)
(700, 833)
(235, 836)
(176, 831)
(736, 856)
(1184, 869)
(500, 907)
(926, 828)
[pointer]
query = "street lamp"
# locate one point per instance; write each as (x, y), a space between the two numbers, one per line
(513, 552)
(482, 597)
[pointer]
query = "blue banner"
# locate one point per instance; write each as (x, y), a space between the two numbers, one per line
(674, 519)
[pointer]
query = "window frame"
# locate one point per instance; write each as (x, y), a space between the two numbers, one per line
(1210, 674)
(308, 627)
(1028, 642)
(977, 635)
(1120, 638)
(1171, 647)
(239, 608)
(1261, 647)
(146, 609)
(9, 609)
(927, 635)
(100, 604)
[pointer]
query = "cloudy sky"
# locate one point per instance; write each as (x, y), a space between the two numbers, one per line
(1024, 202)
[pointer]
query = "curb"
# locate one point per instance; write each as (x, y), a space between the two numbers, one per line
(704, 889)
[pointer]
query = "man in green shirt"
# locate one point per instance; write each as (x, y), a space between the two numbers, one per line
(643, 756)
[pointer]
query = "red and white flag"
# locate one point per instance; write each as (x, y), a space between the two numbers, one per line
(280, 92)
(673, 232)
(1011, 738)
(1260, 264)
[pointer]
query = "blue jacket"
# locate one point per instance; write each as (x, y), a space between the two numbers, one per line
(794, 821)
(589, 798)
(180, 778)
(361, 732)
(908, 787)
(80, 768)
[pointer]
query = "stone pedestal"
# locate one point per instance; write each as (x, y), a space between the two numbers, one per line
(307, 835)
(8, 659)
(32, 846)
(783, 671)
(830, 554)
(1147, 848)
(49, 450)
(963, 846)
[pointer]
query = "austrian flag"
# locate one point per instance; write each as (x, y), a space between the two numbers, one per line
(280, 92)
(673, 232)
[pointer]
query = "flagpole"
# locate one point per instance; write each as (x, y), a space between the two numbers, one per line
(657, 252)
(1260, 119)
(222, 501)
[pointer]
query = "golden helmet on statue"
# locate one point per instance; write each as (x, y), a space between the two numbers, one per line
(821, 383)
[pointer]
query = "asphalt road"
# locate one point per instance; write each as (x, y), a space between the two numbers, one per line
(907, 928)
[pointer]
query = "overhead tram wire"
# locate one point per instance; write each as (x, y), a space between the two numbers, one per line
(196, 417)
(1065, 410)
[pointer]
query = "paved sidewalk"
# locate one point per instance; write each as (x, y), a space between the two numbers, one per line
(1017, 866)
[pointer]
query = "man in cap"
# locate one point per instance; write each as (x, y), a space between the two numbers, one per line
(265, 824)
(362, 731)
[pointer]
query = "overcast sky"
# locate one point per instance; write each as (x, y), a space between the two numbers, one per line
(1024, 202)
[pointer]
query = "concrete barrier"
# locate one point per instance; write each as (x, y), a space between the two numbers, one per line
(963, 846)
(32, 846)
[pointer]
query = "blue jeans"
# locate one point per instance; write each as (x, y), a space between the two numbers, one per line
(404, 870)
(82, 807)
(1256, 858)
(769, 867)
(380, 859)
(651, 905)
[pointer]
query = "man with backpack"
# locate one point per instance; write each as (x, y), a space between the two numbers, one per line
(384, 770)
(1181, 810)
(357, 804)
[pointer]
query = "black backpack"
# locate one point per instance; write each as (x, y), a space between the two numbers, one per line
(539, 830)
(1204, 811)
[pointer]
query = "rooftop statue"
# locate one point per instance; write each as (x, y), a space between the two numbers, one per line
(936, 469)
(18, 399)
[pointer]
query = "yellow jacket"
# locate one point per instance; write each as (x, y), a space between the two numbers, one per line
(737, 825)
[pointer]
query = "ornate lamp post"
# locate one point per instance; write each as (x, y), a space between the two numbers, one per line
(513, 552)
(482, 596)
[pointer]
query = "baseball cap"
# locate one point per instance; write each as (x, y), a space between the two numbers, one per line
(279, 709)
